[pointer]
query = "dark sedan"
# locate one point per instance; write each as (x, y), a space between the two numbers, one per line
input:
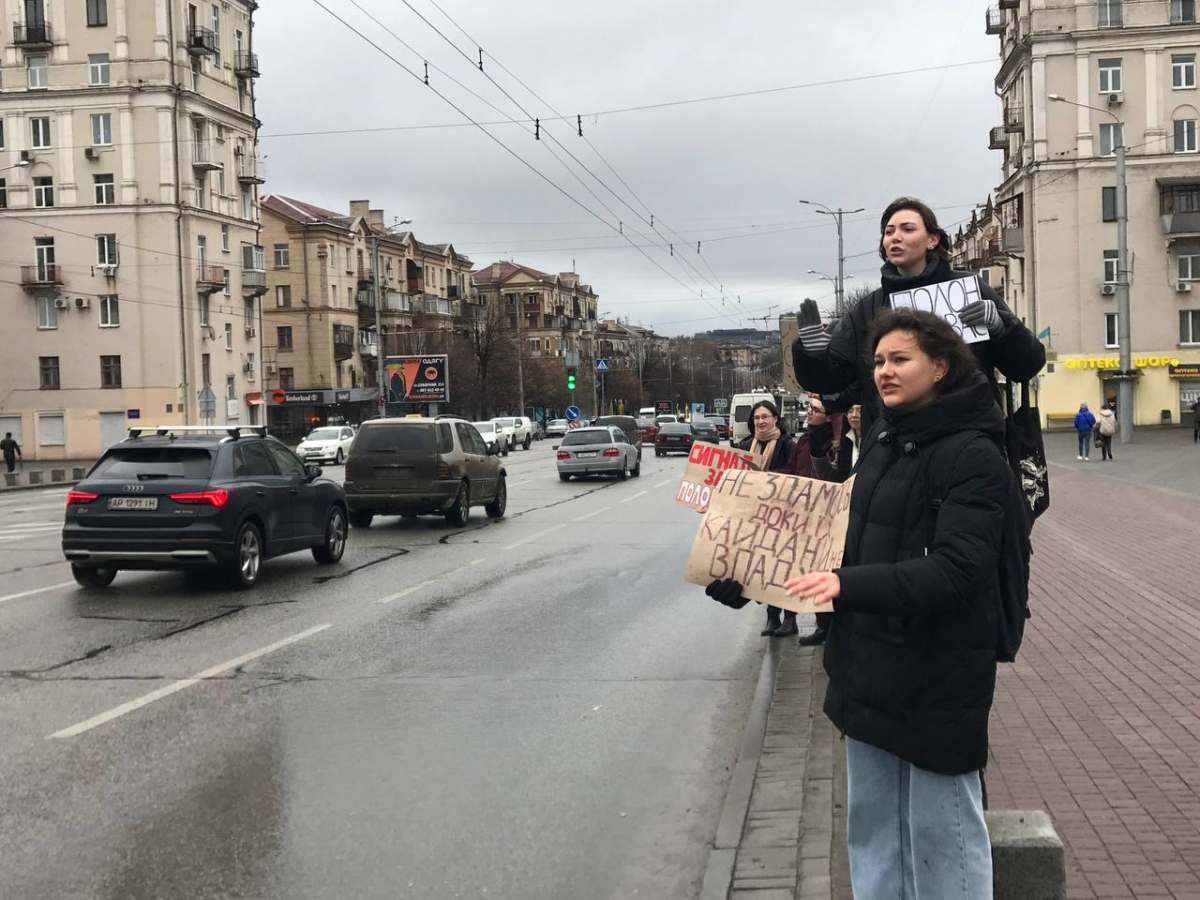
(178, 497)
(673, 437)
(706, 430)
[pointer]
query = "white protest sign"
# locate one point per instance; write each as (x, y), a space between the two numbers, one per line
(946, 301)
(706, 464)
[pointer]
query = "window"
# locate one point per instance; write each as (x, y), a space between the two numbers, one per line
(284, 337)
(287, 378)
(251, 460)
(230, 388)
(206, 369)
(110, 311)
(349, 263)
(201, 190)
(253, 257)
(1183, 11)
(39, 78)
(106, 249)
(225, 238)
(229, 336)
(48, 368)
(225, 281)
(106, 191)
(1110, 76)
(1183, 70)
(97, 13)
(283, 295)
(1110, 267)
(202, 250)
(1185, 135)
(1111, 337)
(40, 129)
(1109, 14)
(1108, 204)
(1189, 326)
(216, 27)
(99, 69)
(1189, 268)
(43, 192)
(285, 460)
(283, 256)
(1110, 138)
(196, 72)
(248, 312)
(110, 371)
(3, 194)
(247, 206)
(1, 134)
(203, 308)
(47, 313)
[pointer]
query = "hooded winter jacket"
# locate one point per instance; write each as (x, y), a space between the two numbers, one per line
(1014, 349)
(1106, 423)
(911, 655)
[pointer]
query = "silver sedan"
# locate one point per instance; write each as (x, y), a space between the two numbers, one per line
(597, 451)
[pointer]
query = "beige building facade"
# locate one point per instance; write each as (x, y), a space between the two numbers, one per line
(556, 314)
(1053, 243)
(129, 201)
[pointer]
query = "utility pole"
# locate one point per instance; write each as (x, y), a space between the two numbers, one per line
(840, 284)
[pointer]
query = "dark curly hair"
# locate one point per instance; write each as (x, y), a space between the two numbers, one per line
(936, 339)
(928, 216)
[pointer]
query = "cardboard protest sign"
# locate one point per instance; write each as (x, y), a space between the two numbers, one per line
(789, 333)
(762, 528)
(705, 466)
(946, 300)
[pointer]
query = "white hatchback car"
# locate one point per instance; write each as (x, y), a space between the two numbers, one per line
(492, 434)
(328, 444)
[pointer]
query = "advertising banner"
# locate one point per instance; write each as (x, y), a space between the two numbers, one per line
(418, 379)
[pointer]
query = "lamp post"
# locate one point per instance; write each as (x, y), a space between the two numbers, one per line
(380, 372)
(840, 284)
(1124, 344)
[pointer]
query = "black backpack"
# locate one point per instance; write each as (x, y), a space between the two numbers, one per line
(1015, 546)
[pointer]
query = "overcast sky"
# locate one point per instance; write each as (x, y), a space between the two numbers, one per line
(708, 171)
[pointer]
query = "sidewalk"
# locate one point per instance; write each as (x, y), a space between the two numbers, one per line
(38, 473)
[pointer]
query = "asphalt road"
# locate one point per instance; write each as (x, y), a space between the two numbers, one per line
(537, 707)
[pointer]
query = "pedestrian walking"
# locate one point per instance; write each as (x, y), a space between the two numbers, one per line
(1196, 422)
(11, 450)
(1084, 423)
(911, 656)
(1106, 427)
(916, 253)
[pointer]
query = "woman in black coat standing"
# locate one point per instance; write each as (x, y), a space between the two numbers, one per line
(911, 654)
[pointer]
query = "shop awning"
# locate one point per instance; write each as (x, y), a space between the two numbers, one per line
(254, 398)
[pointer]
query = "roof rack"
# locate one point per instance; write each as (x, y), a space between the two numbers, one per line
(233, 431)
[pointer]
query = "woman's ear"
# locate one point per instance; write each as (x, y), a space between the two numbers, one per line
(940, 368)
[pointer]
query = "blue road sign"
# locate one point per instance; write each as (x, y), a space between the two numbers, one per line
(602, 366)
(573, 413)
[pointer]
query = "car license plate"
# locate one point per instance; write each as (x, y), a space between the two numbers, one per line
(133, 503)
(585, 455)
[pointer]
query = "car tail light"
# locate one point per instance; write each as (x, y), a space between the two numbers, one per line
(658, 439)
(563, 454)
(443, 471)
(611, 452)
(202, 498)
(80, 497)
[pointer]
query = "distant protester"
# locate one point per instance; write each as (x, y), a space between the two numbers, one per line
(1084, 423)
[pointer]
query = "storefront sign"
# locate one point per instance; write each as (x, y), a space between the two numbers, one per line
(341, 396)
(133, 413)
(1184, 370)
(1139, 362)
(418, 379)
(298, 396)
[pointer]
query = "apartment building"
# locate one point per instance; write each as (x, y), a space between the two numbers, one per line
(128, 195)
(555, 314)
(1131, 69)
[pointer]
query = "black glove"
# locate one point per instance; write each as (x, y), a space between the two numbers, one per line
(820, 439)
(813, 336)
(728, 592)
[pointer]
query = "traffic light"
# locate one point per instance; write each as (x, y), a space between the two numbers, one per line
(570, 378)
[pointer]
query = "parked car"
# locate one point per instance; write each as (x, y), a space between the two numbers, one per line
(628, 426)
(195, 497)
(493, 435)
(673, 437)
(647, 429)
(423, 466)
(705, 430)
(539, 429)
(556, 428)
(328, 444)
(598, 450)
(722, 423)
(522, 430)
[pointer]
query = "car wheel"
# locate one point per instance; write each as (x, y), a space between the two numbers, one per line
(504, 452)
(563, 476)
(624, 473)
(94, 576)
(334, 546)
(528, 441)
(361, 519)
(340, 458)
(659, 453)
(460, 512)
(637, 470)
(243, 569)
(499, 503)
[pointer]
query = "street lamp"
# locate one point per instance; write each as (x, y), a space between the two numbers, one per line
(1124, 344)
(380, 372)
(840, 284)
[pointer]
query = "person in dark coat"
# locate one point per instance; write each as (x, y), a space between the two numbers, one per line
(775, 450)
(11, 450)
(911, 656)
(916, 253)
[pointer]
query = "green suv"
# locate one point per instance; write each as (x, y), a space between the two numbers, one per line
(417, 467)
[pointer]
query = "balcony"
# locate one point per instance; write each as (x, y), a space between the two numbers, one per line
(36, 279)
(204, 156)
(366, 276)
(994, 22)
(998, 138)
(254, 282)
(209, 279)
(33, 37)
(1179, 205)
(553, 321)
(201, 41)
(251, 170)
(1014, 120)
(452, 292)
(245, 65)
(1013, 240)
(343, 349)
(395, 301)
(416, 285)
(437, 306)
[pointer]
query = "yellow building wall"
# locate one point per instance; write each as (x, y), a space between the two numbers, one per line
(1079, 379)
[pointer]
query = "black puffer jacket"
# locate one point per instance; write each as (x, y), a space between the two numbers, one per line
(912, 654)
(1015, 350)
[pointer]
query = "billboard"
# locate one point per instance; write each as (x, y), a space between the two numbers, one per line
(418, 379)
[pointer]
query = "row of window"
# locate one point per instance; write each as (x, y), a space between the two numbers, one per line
(108, 308)
(1183, 138)
(1110, 13)
(1183, 73)
(1189, 328)
(230, 383)
(49, 378)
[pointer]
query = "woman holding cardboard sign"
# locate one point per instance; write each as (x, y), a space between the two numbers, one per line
(912, 650)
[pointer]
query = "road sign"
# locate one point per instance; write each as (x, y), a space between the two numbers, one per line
(573, 413)
(208, 403)
(601, 366)
(721, 403)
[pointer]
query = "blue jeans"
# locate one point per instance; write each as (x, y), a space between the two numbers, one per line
(914, 834)
(1085, 443)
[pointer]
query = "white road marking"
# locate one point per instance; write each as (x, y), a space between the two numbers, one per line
(596, 513)
(125, 708)
(21, 526)
(533, 537)
(634, 497)
(41, 590)
(428, 582)
(517, 483)
(664, 483)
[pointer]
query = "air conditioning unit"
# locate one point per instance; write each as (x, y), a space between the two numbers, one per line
(82, 302)
(250, 332)
(108, 271)
(26, 156)
(1108, 290)
(62, 303)
(1116, 98)
(269, 368)
(1184, 287)
(248, 367)
(91, 153)
(208, 333)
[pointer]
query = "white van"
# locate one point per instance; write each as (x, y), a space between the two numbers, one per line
(740, 426)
